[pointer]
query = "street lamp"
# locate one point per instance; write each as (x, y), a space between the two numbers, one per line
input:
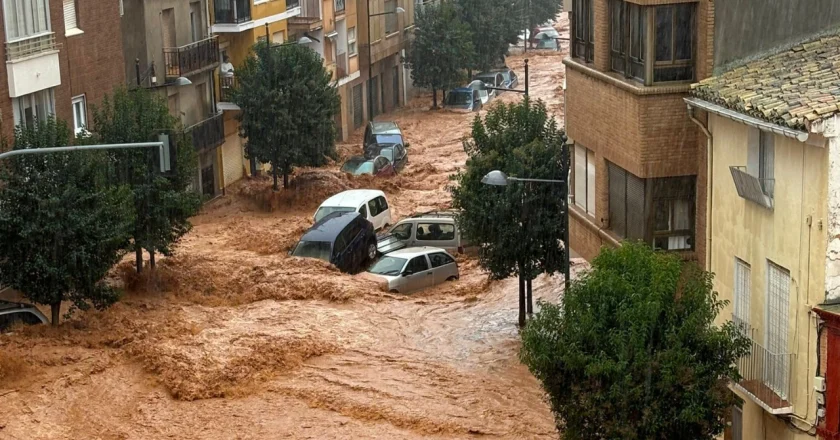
(398, 10)
(499, 178)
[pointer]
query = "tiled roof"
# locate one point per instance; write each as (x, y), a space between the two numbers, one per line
(790, 88)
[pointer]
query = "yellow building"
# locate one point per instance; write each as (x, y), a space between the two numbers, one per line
(773, 208)
(239, 24)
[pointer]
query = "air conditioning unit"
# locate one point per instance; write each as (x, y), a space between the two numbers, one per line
(819, 384)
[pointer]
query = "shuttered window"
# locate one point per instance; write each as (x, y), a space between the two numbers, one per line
(357, 106)
(741, 314)
(584, 179)
(778, 309)
(70, 21)
(627, 203)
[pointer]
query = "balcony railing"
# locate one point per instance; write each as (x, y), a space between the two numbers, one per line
(310, 12)
(339, 6)
(192, 58)
(30, 46)
(209, 133)
(765, 376)
(231, 11)
(226, 85)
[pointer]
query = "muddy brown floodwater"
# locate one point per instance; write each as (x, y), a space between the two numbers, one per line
(231, 338)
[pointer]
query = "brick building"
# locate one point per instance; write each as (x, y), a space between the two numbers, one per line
(635, 154)
(61, 57)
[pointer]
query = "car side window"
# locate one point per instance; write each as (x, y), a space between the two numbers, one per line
(439, 259)
(383, 204)
(374, 208)
(341, 242)
(403, 231)
(417, 264)
(363, 211)
(435, 231)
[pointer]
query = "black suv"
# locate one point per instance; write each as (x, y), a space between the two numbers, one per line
(345, 239)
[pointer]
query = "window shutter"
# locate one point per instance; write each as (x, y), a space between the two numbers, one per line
(70, 14)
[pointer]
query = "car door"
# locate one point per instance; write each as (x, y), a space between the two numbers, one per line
(340, 257)
(443, 267)
(385, 167)
(436, 234)
(417, 275)
(401, 158)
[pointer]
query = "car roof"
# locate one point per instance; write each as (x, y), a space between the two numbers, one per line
(415, 251)
(385, 127)
(462, 90)
(328, 228)
(352, 198)
(441, 214)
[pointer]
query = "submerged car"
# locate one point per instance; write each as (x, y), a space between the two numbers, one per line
(395, 153)
(413, 269)
(359, 165)
(12, 313)
(386, 132)
(509, 76)
(345, 239)
(370, 203)
(481, 88)
(435, 228)
(463, 99)
(492, 79)
(544, 41)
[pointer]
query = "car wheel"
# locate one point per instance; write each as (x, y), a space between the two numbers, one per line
(452, 278)
(371, 251)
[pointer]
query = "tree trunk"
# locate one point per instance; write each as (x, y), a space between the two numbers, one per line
(530, 293)
(55, 309)
(285, 177)
(138, 255)
(152, 258)
(521, 300)
(434, 97)
(274, 175)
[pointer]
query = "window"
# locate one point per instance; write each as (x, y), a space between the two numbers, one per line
(435, 231)
(628, 39)
(583, 46)
(79, 114)
(71, 23)
(277, 38)
(195, 21)
(374, 208)
(403, 231)
(122, 8)
(391, 16)
(584, 183)
(351, 41)
(33, 107)
(741, 300)
(417, 264)
(761, 159)
(383, 204)
(777, 366)
(168, 27)
(25, 18)
(439, 259)
(339, 6)
(673, 212)
(627, 203)
(363, 211)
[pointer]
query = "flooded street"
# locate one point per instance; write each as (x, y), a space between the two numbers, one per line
(231, 338)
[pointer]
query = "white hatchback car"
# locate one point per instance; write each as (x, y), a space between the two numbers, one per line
(371, 203)
(411, 269)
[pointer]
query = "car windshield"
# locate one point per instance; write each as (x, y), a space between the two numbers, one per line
(458, 98)
(388, 266)
(357, 168)
(327, 210)
(547, 44)
(388, 139)
(313, 249)
(388, 152)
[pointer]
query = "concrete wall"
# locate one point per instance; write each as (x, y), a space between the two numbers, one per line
(745, 28)
(742, 229)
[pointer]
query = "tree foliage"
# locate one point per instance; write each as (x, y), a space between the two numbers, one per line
(541, 11)
(441, 48)
(289, 104)
(633, 352)
(493, 26)
(163, 204)
(63, 224)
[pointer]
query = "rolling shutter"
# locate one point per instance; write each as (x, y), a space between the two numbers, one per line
(357, 106)
(70, 14)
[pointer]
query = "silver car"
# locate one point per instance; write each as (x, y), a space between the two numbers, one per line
(13, 313)
(412, 269)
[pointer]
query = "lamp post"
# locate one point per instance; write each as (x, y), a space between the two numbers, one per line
(499, 178)
(398, 10)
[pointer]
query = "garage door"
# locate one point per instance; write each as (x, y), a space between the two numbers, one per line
(358, 117)
(233, 157)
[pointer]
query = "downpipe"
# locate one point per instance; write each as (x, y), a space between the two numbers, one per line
(709, 180)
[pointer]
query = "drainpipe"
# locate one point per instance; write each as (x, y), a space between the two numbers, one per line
(709, 174)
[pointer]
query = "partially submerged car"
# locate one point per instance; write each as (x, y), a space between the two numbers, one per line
(385, 132)
(370, 203)
(413, 269)
(492, 79)
(395, 153)
(481, 88)
(345, 239)
(546, 42)
(12, 313)
(359, 165)
(463, 100)
(435, 228)
(511, 81)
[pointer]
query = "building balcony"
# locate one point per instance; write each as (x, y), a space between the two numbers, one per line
(766, 377)
(209, 133)
(32, 64)
(191, 59)
(232, 16)
(310, 14)
(231, 11)
(226, 85)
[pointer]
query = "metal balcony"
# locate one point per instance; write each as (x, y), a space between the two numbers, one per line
(191, 58)
(208, 134)
(226, 86)
(766, 377)
(231, 11)
(30, 46)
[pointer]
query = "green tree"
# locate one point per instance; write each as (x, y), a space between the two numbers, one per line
(633, 351)
(519, 226)
(441, 49)
(289, 104)
(541, 11)
(493, 26)
(163, 204)
(63, 224)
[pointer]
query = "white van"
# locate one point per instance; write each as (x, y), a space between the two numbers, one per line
(436, 228)
(371, 203)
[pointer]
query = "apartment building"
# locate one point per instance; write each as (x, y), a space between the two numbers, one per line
(168, 49)
(635, 165)
(239, 24)
(61, 57)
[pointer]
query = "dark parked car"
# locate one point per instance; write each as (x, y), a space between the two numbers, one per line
(395, 153)
(345, 239)
(463, 99)
(383, 133)
(378, 166)
(14, 313)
